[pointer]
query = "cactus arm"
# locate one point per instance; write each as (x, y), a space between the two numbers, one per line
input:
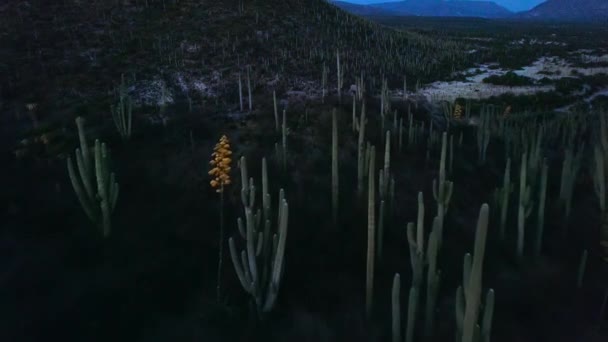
(488, 313)
(245, 281)
(82, 198)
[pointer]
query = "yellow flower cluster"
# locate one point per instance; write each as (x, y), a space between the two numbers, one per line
(457, 112)
(220, 163)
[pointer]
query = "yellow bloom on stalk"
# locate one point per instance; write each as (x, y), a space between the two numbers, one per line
(457, 112)
(220, 163)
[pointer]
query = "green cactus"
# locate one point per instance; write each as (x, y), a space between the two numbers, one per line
(524, 207)
(334, 167)
(468, 296)
(581, 269)
(94, 184)
(442, 191)
(371, 235)
(260, 266)
(502, 196)
(384, 188)
(412, 311)
(122, 112)
(396, 308)
(541, 209)
(433, 279)
(361, 152)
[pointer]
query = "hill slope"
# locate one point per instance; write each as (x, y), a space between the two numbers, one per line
(569, 10)
(440, 8)
(361, 10)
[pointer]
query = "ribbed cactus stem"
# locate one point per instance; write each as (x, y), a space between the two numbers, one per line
(524, 208)
(504, 194)
(488, 313)
(396, 308)
(334, 167)
(433, 279)
(412, 310)
(541, 209)
(284, 139)
(249, 89)
(361, 152)
(581, 269)
(371, 235)
(442, 190)
(276, 110)
(473, 289)
(240, 92)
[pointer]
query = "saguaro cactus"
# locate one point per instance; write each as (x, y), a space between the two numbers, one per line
(94, 184)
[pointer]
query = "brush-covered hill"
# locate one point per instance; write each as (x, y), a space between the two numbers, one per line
(77, 51)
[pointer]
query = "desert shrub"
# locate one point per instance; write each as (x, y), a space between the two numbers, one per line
(509, 79)
(568, 85)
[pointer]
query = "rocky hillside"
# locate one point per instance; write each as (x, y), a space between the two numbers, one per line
(77, 51)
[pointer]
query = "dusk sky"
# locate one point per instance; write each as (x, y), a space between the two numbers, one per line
(513, 5)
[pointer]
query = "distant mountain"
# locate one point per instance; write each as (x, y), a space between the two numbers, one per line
(362, 10)
(569, 10)
(443, 8)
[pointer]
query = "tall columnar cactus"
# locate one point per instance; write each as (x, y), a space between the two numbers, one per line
(442, 191)
(371, 235)
(483, 135)
(94, 184)
(540, 221)
(334, 167)
(433, 278)
(415, 237)
(468, 296)
(340, 73)
(284, 140)
(396, 308)
(249, 89)
(599, 181)
(276, 110)
(240, 92)
(324, 73)
(354, 115)
(570, 168)
(384, 181)
(581, 269)
(260, 265)
(502, 196)
(361, 152)
(535, 157)
(122, 112)
(524, 208)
